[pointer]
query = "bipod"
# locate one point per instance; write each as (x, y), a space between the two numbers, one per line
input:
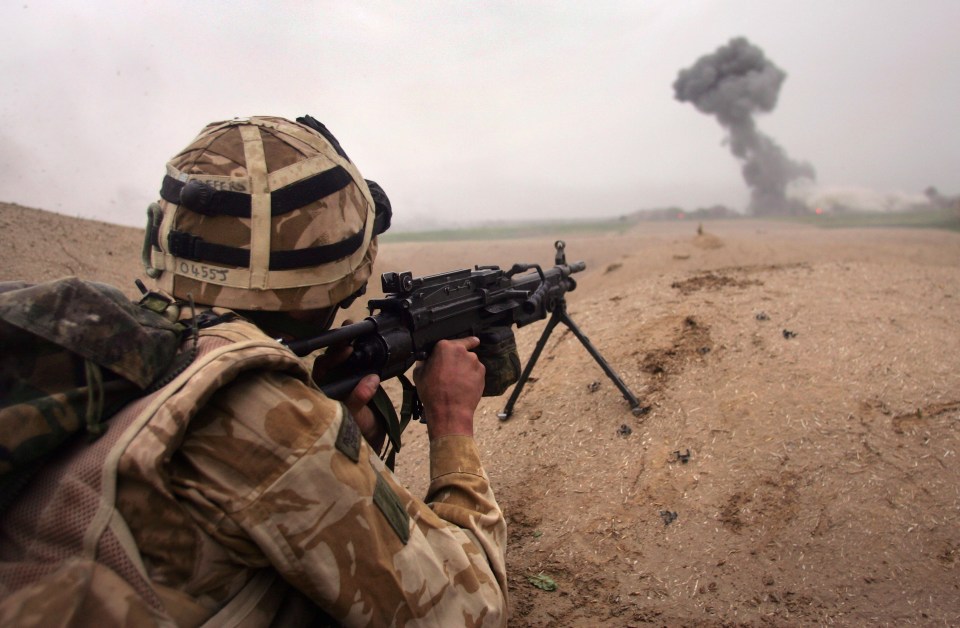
(560, 315)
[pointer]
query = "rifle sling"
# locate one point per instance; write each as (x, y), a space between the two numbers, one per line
(383, 410)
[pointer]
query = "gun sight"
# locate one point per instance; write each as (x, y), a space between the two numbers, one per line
(396, 283)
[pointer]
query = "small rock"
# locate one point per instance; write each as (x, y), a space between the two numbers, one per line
(668, 516)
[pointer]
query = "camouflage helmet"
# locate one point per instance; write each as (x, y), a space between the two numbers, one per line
(263, 213)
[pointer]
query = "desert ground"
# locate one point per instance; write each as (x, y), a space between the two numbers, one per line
(796, 462)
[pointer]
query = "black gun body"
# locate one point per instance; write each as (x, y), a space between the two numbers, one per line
(417, 313)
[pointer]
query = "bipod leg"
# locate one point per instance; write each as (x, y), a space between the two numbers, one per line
(629, 396)
(508, 410)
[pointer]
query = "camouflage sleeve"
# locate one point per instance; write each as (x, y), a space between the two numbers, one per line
(460, 493)
(279, 474)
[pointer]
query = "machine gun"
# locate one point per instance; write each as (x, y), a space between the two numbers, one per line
(418, 312)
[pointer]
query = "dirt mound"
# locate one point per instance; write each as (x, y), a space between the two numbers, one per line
(40, 246)
(797, 462)
(707, 241)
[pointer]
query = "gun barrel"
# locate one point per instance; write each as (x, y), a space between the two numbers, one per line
(340, 335)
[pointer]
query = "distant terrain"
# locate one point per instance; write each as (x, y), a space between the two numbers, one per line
(797, 463)
(932, 217)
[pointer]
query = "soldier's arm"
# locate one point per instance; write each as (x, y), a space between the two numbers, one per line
(315, 501)
(450, 385)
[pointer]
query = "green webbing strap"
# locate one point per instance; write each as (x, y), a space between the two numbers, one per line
(410, 407)
(95, 399)
(383, 410)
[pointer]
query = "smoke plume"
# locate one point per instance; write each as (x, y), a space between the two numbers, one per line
(734, 83)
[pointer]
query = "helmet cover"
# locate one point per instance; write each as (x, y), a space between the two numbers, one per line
(263, 213)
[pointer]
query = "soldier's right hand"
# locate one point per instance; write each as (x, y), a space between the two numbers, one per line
(450, 384)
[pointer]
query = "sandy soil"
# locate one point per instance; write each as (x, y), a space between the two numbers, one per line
(797, 465)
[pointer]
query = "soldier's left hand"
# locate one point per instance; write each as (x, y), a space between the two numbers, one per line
(373, 431)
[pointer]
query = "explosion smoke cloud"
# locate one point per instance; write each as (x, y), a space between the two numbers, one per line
(734, 83)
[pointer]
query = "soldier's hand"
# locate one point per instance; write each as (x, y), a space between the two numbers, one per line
(450, 384)
(332, 357)
(373, 431)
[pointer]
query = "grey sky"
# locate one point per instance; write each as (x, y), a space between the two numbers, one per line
(466, 110)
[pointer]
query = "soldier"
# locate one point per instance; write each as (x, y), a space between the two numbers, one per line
(238, 493)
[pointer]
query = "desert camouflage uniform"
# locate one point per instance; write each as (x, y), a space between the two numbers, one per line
(235, 482)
